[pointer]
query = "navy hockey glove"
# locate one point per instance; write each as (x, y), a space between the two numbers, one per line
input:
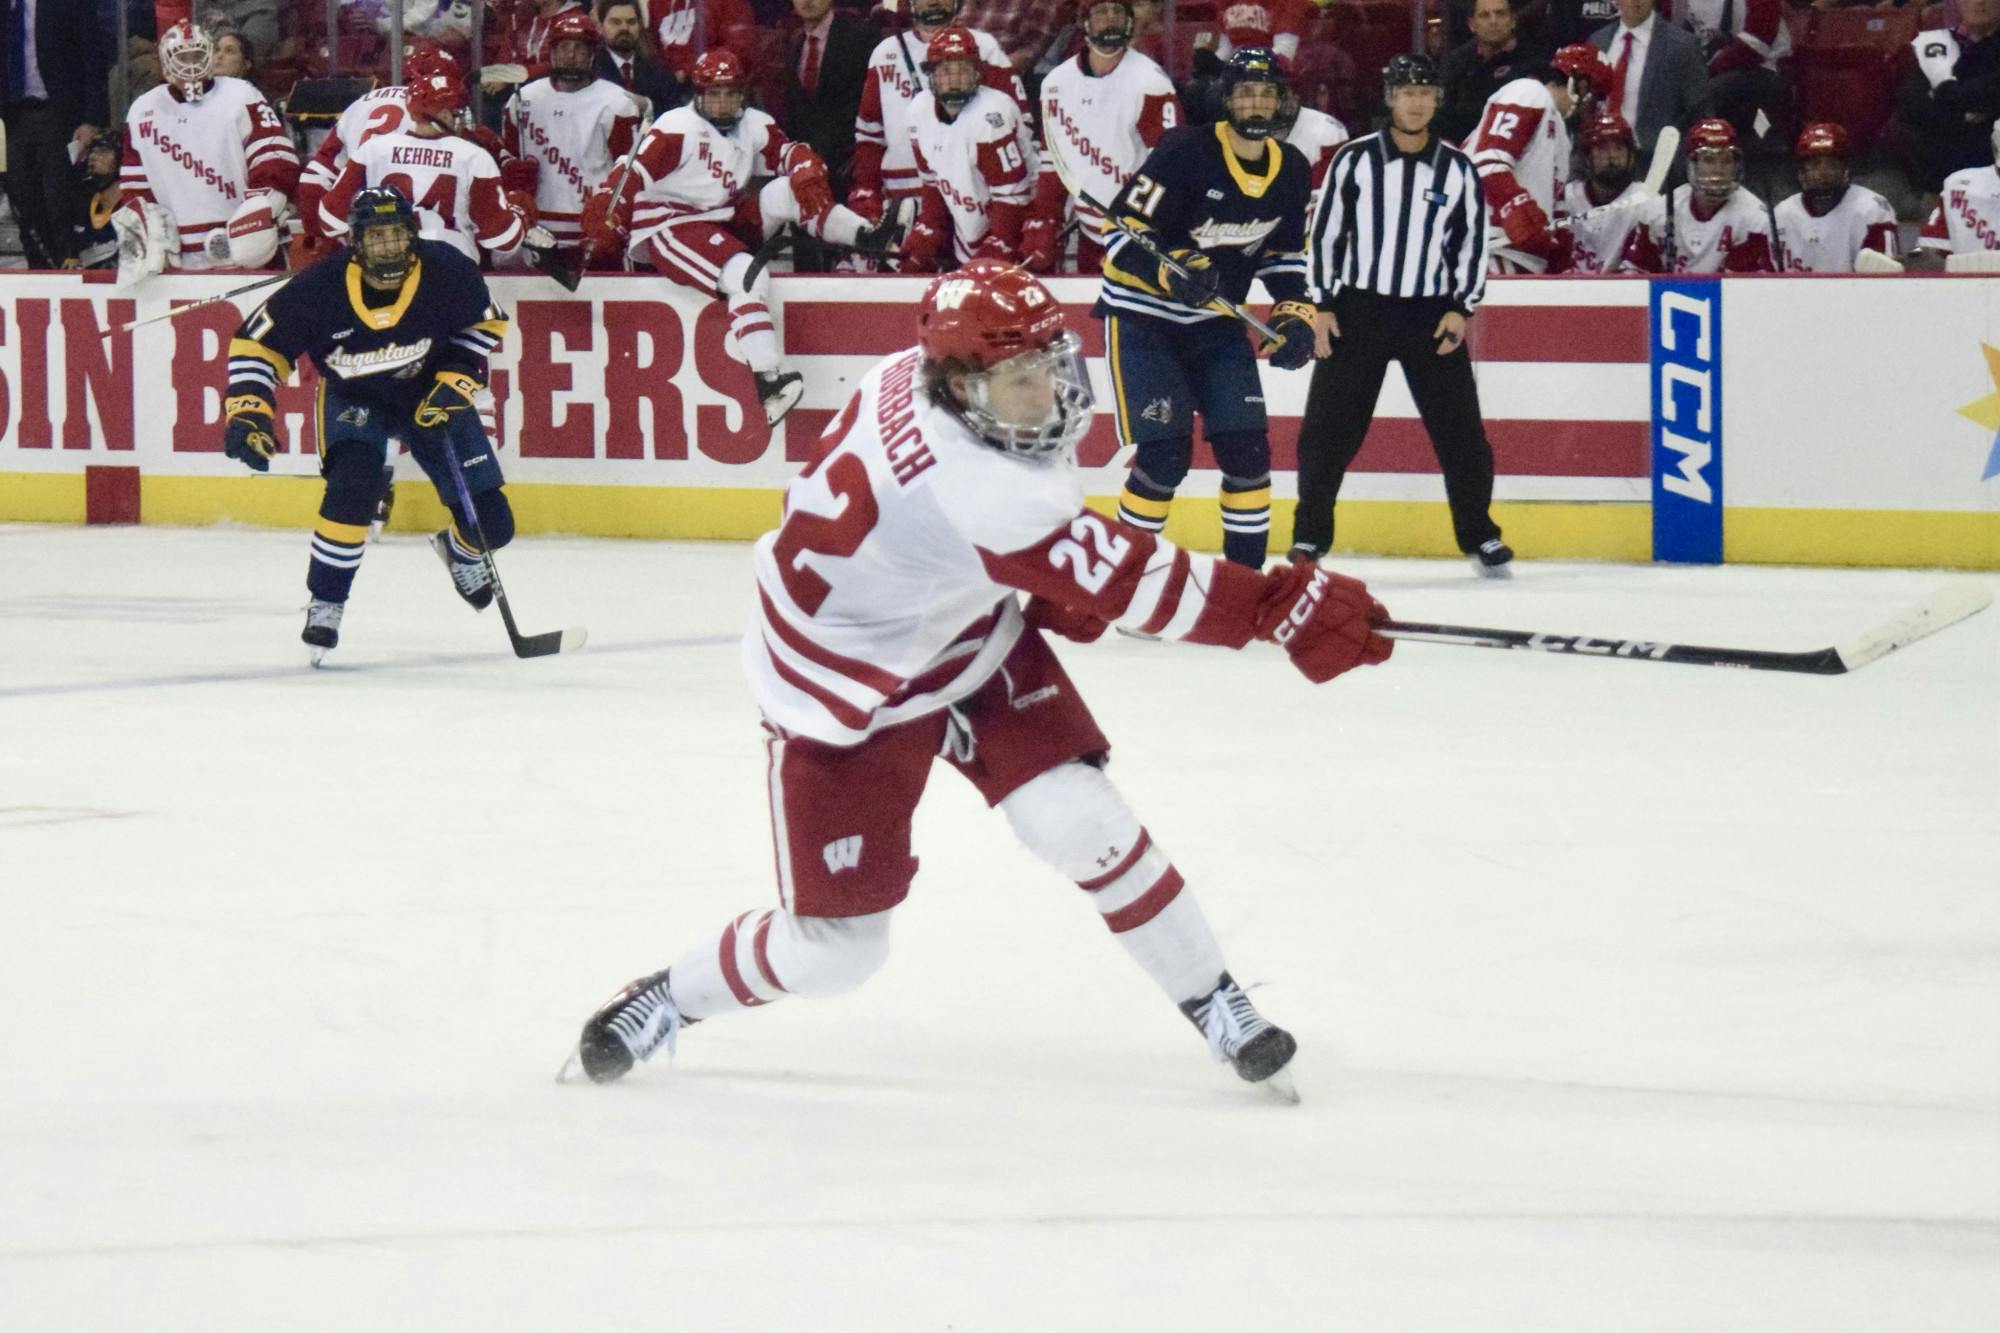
(1293, 322)
(453, 392)
(249, 435)
(1198, 286)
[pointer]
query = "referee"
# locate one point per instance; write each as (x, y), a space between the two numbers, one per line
(1397, 255)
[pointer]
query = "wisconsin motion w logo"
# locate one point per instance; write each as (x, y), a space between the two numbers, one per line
(842, 854)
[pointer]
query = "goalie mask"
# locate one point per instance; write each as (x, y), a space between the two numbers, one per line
(187, 59)
(1108, 25)
(719, 88)
(998, 358)
(1253, 90)
(1714, 162)
(382, 235)
(1822, 153)
(952, 67)
(573, 43)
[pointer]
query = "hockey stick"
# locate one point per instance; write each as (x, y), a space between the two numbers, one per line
(178, 311)
(1938, 611)
(550, 260)
(1664, 148)
(525, 645)
(1168, 262)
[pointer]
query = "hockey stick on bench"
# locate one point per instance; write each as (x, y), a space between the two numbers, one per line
(1939, 611)
(525, 645)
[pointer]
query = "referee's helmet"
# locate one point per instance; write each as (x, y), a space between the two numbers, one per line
(1408, 70)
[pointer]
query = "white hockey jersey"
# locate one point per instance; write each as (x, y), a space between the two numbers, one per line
(883, 127)
(1862, 220)
(981, 163)
(1598, 232)
(889, 590)
(1967, 216)
(372, 113)
(1521, 151)
(1319, 136)
(1671, 239)
(453, 183)
(576, 138)
(688, 169)
(1100, 127)
(202, 160)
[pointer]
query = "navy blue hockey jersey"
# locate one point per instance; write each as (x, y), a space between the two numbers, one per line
(443, 318)
(1192, 192)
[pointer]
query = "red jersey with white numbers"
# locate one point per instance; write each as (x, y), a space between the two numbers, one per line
(889, 591)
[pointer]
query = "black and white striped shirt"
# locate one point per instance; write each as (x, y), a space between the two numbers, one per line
(1399, 224)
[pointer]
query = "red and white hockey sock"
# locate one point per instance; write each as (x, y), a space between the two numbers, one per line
(1073, 818)
(750, 322)
(765, 956)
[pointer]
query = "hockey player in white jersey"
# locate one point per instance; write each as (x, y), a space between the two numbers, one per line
(976, 159)
(1830, 221)
(209, 170)
(884, 169)
(1600, 210)
(888, 632)
(1102, 112)
(375, 112)
(453, 183)
(1313, 132)
(1522, 151)
(1711, 224)
(693, 213)
(564, 135)
(1966, 220)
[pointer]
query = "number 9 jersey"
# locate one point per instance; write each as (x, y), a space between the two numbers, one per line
(889, 591)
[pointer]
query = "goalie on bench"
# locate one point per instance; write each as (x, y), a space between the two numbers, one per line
(888, 632)
(400, 329)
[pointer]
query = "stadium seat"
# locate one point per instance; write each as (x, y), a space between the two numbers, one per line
(1847, 63)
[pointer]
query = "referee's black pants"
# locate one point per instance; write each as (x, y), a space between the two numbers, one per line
(1375, 330)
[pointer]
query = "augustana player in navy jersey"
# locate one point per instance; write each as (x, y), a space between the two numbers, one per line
(400, 329)
(1228, 201)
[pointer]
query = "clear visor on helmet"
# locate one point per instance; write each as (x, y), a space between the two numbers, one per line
(721, 105)
(1712, 171)
(1036, 404)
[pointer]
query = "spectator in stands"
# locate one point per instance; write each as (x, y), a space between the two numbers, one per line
(256, 21)
(93, 240)
(55, 66)
(1474, 72)
(1950, 97)
(232, 56)
(517, 39)
(1744, 41)
(1659, 75)
(826, 64)
(683, 29)
(624, 59)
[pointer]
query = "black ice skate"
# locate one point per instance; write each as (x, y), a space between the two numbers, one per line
(633, 1024)
(470, 577)
(780, 393)
(1253, 1046)
(1493, 560)
(879, 238)
(322, 631)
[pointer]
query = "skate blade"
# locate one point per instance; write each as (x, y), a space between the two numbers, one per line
(1484, 571)
(1280, 1088)
(316, 656)
(572, 1070)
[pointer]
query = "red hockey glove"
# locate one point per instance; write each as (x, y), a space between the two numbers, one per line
(866, 202)
(1526, 225)
(809, 185)
(1081, 626)
(1322, 619)
(920, 249)
(487, 139)
(1038, 245)
(520, 173)
(524, 203)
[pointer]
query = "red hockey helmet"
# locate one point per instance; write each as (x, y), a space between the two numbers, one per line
(573, 43)
(1710, 133)
(427, 58)
(1583, 65)
(954, 43)
(437, 97)
(574, 25)
(1607, 127)
(719, 87)
(999, 358)
(1822, 138)
(958, 47)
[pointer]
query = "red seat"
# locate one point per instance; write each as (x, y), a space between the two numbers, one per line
(1847, 64)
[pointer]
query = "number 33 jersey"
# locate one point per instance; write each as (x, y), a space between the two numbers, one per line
(889, 591)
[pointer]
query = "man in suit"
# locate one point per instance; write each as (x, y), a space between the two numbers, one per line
(55, 63)
(826, 63)
(1659, 74)
(623, 59)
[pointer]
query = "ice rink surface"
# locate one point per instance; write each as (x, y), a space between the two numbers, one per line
(1630, 997)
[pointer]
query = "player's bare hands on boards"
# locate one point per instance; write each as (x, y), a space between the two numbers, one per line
(1325, 329)
(1450, 333)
